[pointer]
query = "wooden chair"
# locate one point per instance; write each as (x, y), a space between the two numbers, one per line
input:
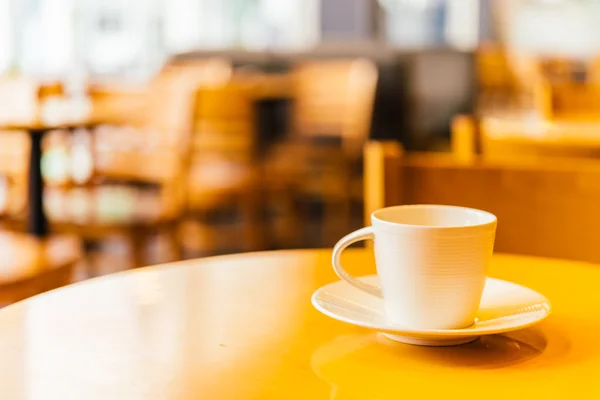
(514, 81)
(499, 84)
(223, 171)
(138, 159)
(331, 120)
(30, 266)
(493, 69)
(334, 98)
(146, 154)
(543, 209)
(135, 188)
(158, 133)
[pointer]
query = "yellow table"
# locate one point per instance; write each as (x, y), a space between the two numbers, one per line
(242, 327)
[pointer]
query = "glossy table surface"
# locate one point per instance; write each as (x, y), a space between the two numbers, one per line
(243, 327)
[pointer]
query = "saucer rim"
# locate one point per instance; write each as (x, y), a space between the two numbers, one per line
(434, 333)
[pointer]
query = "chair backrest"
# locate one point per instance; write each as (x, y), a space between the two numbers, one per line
(223, 145)
(160, 136)
(493, 69)
(335, 98)
(223, 123)
(548, 209)
(174, 92)
(500, 79)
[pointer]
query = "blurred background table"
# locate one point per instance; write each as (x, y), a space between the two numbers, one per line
(527, 136)
(31, 265)
(36, 216)
(242, 326)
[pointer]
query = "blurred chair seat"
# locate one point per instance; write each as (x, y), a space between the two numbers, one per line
(119, 104)
(209, 180)
(109, 205)
(311, 170)
(29, 266)
(136, 213)
(214, 188)
(155, 165)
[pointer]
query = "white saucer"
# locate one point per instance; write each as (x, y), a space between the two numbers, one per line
(504, 307)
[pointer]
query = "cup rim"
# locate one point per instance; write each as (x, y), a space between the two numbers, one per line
(491, 218)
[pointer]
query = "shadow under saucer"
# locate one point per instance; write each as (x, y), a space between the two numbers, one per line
(373, 366)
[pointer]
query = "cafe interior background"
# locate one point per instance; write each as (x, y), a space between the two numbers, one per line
(190, 128)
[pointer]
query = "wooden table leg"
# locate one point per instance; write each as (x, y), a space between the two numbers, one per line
(37, 223)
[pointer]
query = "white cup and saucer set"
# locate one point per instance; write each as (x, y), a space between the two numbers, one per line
(431, 287)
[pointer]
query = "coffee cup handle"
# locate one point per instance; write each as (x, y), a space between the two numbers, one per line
(356, 236)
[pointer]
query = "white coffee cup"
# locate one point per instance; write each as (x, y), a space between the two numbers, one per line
(432, 262)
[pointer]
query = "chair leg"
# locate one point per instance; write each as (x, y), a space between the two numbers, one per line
(253, 223)
(198, 236)
(172, 236)
(336, 220)
(291, 221)
(137, 241)
(90, 267)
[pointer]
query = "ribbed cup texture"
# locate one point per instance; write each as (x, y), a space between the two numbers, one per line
(433, 278)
